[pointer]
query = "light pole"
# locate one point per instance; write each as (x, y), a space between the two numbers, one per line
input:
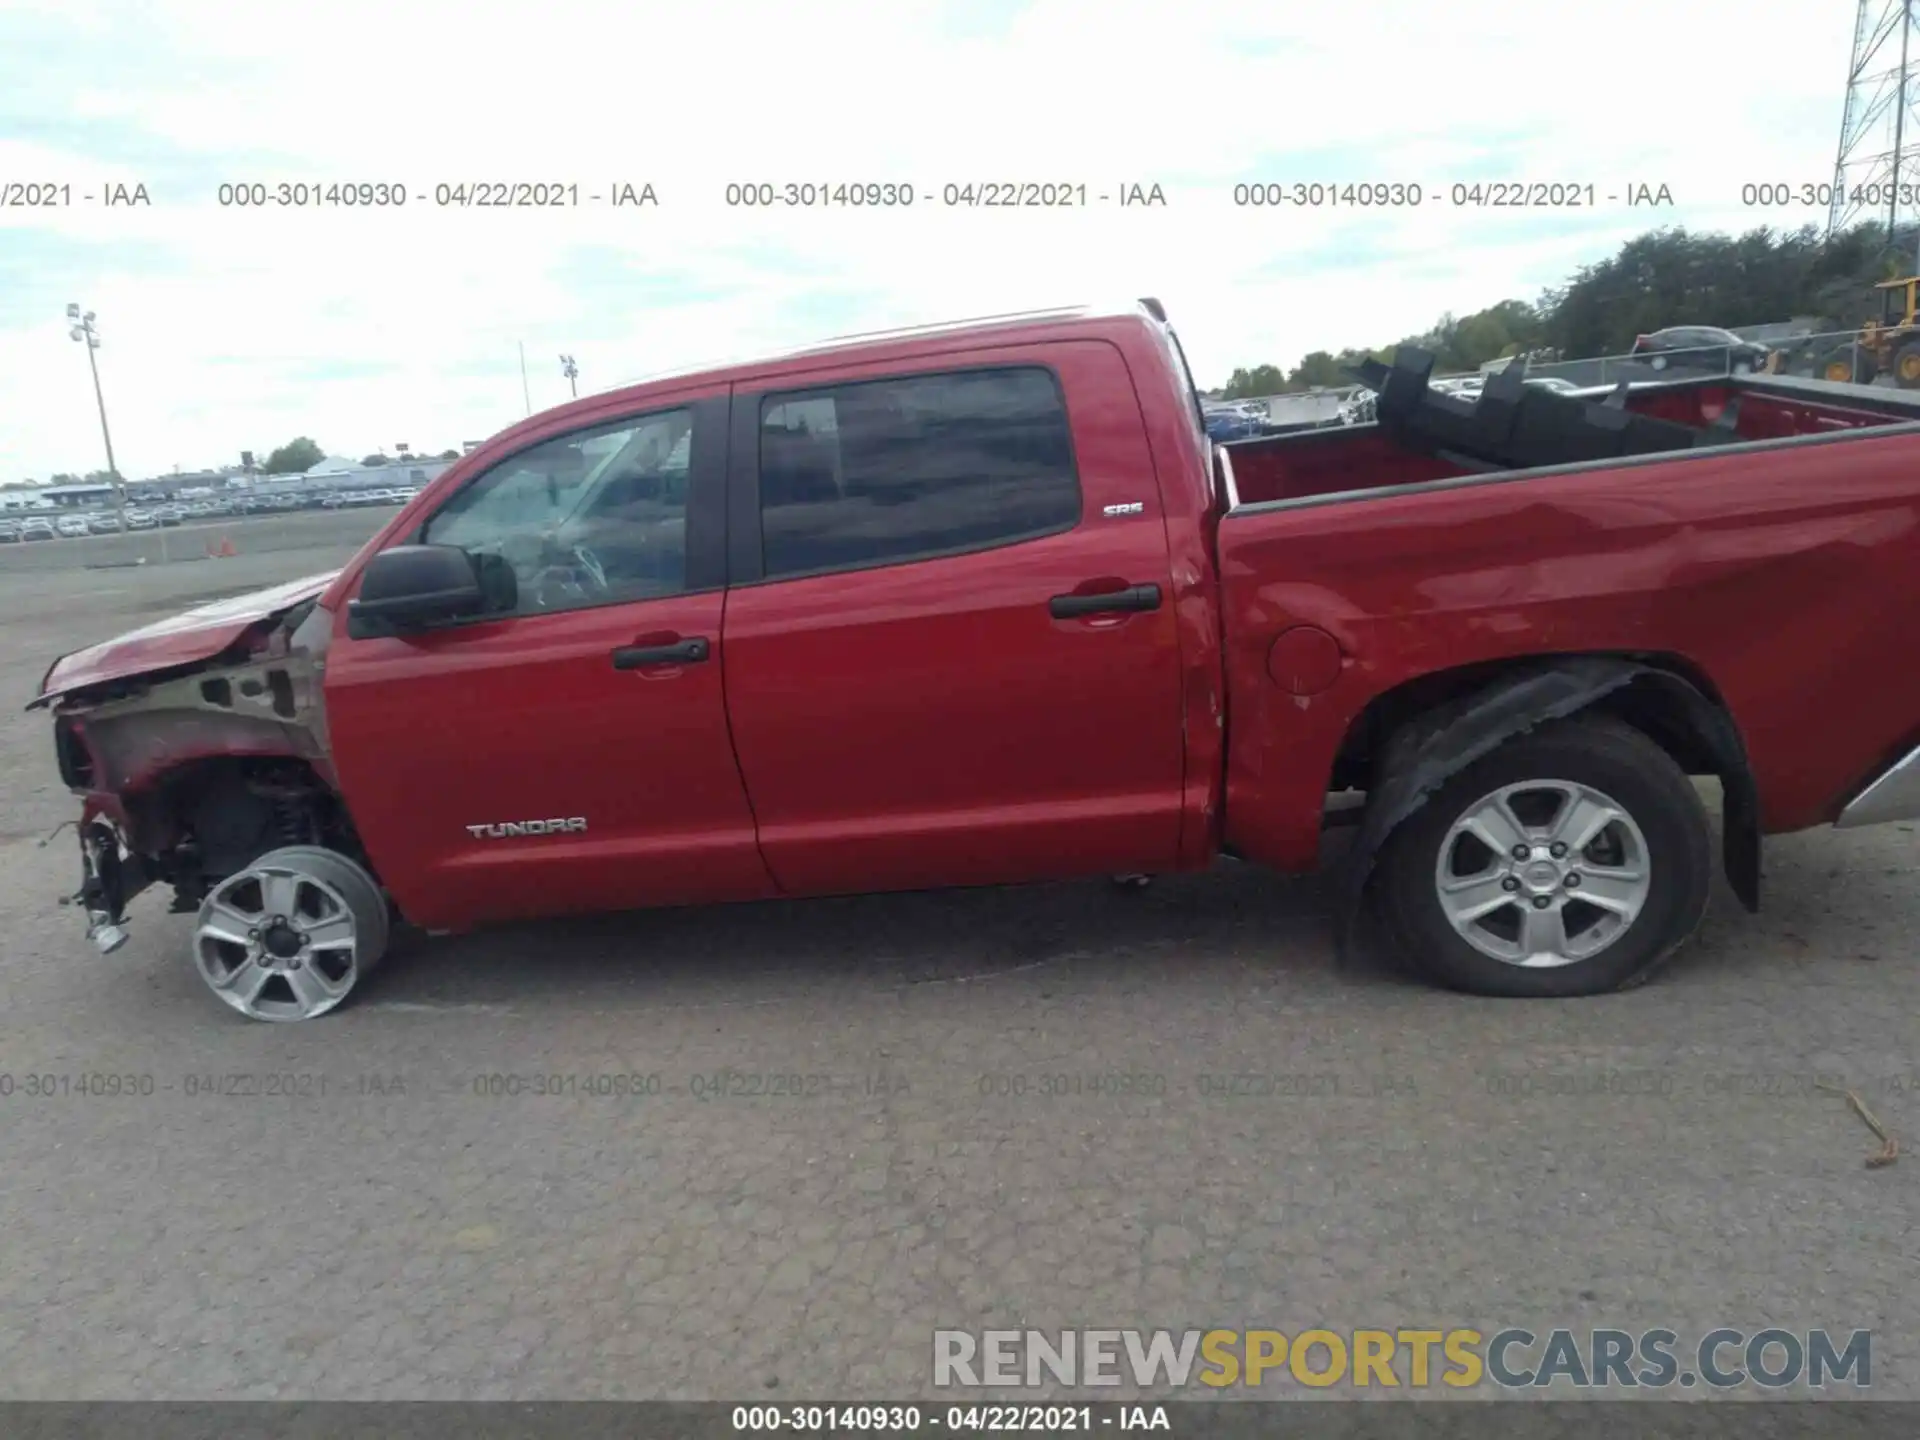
(572, 372)
(84, 330)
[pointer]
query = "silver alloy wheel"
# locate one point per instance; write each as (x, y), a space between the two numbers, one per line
(1543, 873)
(289, 937)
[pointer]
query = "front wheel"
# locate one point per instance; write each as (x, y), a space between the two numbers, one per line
(1570, 861)
(292, 935)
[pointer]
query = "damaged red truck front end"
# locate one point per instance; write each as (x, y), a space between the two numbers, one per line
(191, 741)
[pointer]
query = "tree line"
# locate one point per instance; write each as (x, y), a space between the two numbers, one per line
(305, 453)
(1665, 277)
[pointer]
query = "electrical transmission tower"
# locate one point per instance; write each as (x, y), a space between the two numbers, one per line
(1878, 169)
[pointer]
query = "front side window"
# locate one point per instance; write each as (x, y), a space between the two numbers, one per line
(879, 472)
(596, 517)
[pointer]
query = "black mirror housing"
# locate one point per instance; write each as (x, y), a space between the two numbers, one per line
(415, 586)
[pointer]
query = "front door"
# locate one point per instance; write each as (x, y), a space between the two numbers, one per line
(567, 751)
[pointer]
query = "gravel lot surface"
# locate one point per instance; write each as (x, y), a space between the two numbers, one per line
(1411, 1158)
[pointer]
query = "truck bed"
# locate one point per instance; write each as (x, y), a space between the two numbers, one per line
(1773, 565)
(1511, 431)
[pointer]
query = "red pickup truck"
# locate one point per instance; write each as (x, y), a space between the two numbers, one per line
(981, 604)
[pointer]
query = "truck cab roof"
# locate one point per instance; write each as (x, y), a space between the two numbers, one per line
(883, 346)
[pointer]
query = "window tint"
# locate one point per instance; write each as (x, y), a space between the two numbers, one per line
(891, 470)
(591, 518)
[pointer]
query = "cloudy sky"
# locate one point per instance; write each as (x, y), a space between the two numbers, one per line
(231, 328)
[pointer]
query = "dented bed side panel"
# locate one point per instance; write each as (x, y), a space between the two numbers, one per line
(1774, 573)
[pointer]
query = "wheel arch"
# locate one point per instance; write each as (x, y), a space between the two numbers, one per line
(204, 816)
(1411, 739)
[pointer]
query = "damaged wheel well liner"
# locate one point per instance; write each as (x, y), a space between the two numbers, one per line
(1410, 740)
(202, 820)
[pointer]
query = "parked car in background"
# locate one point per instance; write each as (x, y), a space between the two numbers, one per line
(37, 528)
(1229, 422)
(104, 523)
(169, 514)
(140, 520)
(73, 526)
(1702, 347)
(1359, 410)
(9, 532)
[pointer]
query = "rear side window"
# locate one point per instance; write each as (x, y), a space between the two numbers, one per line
(885, 471)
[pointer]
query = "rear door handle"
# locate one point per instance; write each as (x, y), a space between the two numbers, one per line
(684, 652)
(1134, 597)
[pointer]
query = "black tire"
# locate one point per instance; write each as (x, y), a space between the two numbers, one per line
(1608, 756)
(1838, 366)
(1906, 366)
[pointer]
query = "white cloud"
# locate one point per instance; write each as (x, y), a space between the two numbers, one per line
(222, 325)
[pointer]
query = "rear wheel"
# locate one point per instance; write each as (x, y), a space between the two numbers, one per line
(292, 935)
(1906, 366)
(1570, 861)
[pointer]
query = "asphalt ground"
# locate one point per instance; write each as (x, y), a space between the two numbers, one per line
(193, 1205)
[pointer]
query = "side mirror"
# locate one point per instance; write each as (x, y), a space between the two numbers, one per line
(414, 586)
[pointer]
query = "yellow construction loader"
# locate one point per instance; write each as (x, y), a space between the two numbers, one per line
(1887, 346)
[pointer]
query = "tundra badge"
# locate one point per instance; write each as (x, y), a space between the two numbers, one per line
(526, 827)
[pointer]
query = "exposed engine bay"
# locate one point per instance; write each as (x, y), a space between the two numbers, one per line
(190, 772)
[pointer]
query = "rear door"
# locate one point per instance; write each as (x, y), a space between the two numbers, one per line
(951, 652)
(568, 750)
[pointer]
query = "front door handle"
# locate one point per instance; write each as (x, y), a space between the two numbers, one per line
(1134, 597)
(683, 652)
